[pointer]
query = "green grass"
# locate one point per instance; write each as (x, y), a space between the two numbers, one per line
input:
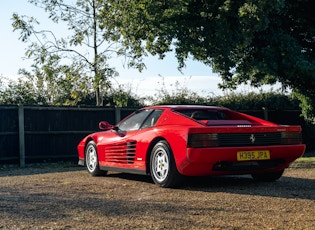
(304, 162)
(306, 159)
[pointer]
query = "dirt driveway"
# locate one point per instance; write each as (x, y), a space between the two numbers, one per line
(50, 197)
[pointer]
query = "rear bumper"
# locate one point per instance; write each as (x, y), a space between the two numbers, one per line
(219, 161)
(226, 166)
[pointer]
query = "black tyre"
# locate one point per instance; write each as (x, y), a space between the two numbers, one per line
(162, 166)
(91, 160)
(267, 176)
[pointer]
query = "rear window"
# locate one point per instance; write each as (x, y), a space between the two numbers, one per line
(203, 114)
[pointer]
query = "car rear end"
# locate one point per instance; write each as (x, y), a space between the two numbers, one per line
(241, 149)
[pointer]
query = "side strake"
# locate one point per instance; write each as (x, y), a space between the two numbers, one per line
(123, 152)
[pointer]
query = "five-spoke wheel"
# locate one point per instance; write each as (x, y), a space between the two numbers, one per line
(162, 166)
(91, 160)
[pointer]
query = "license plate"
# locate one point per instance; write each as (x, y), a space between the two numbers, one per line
(253, 155)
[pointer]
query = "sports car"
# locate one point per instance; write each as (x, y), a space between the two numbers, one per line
(171, 142)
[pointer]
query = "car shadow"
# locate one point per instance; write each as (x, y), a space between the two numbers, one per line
(285, 187)
(131, 177)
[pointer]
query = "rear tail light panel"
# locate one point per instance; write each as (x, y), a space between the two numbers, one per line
(202, 140)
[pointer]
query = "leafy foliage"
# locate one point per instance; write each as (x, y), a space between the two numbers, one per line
(33, 91)
(71, 61)
(246, 41)
(271, 100)
(123, 98)
(179, 94)
(20, 92)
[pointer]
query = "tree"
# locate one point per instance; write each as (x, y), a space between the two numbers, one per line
(79, 58)
(248, 41)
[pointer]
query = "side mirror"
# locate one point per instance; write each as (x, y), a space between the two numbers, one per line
(104, 125)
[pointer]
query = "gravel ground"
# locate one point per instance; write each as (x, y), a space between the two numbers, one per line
(51, 197)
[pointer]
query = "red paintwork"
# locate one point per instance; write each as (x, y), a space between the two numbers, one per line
(174, 128)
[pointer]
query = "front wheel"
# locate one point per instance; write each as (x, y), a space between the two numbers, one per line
(162, 166)
(91, 160)
(268, 176)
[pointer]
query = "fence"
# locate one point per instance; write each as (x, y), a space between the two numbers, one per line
(41, 134)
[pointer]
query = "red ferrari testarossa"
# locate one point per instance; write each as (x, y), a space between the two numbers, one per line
(170, 142)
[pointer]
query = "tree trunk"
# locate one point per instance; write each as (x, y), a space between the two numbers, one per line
(99, 99)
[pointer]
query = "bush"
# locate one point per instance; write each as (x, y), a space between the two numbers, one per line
(257, 101)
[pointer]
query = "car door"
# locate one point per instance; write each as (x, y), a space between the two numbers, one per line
(120, 151)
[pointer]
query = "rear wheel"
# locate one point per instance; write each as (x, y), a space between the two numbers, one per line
(162, 166)
(91, 160)
(267, 176)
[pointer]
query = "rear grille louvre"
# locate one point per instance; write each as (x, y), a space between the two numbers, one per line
(131, 152)
(248, 139)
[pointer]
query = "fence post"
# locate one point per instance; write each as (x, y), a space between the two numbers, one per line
(21, 136)
(117, 114)
(265, 109)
